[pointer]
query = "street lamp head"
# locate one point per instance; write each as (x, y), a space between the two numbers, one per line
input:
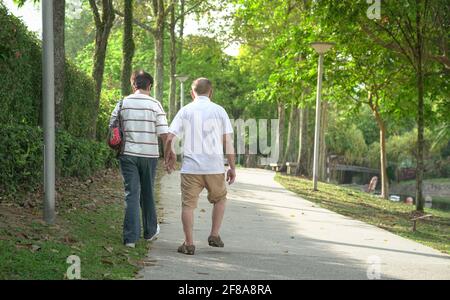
(182, 78)
(322, 47)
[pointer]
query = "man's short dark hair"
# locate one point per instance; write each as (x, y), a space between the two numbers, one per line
(202, 86)
(141, 80)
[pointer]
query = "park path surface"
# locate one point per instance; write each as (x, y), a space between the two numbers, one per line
(271, 233)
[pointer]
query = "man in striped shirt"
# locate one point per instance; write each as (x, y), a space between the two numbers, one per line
(143, 120)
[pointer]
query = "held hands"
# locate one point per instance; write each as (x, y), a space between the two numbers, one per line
(231, 176)
(170, 161)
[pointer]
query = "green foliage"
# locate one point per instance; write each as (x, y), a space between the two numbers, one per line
(349, 142)
(20, 69)
(78, 106)
(20, 83)
(21, 157)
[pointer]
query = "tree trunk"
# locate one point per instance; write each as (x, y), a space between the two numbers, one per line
(128, 48)
(181, 35)
(302, 158)
(60, 59)
(420, 114)
(292, 135)
(159, 65)
(420, 143)
(383, 156)
(181, 38)
(173, 64)
(158, 36)
(103, 27)
(281, 121)
(322, 143)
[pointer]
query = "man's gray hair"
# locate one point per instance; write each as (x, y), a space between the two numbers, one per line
(202, 86)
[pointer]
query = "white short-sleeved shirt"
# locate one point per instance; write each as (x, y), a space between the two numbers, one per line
(201, 125)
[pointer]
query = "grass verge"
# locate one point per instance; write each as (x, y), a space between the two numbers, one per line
(89, 225)
(394, 217)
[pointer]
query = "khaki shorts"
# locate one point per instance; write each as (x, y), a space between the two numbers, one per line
(193, 185)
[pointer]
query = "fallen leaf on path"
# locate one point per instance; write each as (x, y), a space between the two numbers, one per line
(35, 248)
(24, 246)
(107, 262)
(22, 235)
(69, 240)
(109, 249)
(202, 210)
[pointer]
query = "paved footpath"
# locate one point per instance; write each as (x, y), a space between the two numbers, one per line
(271, 233)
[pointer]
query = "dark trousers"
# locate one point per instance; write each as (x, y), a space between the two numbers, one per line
(139, 180)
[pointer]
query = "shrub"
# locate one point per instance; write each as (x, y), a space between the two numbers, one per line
(21, 157)
(21, 77)
(79, 105)
(20, 69)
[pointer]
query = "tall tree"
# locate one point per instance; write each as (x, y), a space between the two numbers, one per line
(103, 23)
(127, 47)
(302, 158)
(173, 61)
(155, 24)
(160, 12)
(292, 134)
(178, 13)
(416, 30)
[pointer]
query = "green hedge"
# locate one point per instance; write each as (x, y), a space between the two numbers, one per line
(20, 82)
(21, 158)
(79, 105)
(20, 69)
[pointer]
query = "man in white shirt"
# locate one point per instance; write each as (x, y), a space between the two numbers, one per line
(142, 120)
(206, 130)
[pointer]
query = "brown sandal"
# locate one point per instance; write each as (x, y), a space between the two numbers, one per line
(216, 241)
(188, 250)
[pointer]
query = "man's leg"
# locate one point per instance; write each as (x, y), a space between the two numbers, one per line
(147, 170)
(131, 224)
(187, 217)
(217, 217)
(217, 195)
(191, 187)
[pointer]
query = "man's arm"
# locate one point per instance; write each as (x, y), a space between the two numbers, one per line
(229, 153)
(114, 115)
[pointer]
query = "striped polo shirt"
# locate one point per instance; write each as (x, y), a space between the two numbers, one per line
(143, 120)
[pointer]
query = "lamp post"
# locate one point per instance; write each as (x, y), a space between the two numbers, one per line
(321, 48)
(48, 93)
(182, 79)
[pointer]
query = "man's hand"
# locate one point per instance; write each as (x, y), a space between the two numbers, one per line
(170, 158)
(170, 161)
(231, 176)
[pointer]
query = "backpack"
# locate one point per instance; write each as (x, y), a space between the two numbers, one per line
(115, 132)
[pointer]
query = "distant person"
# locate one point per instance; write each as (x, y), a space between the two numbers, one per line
(143, 119)
(206, 130)
(372, 185)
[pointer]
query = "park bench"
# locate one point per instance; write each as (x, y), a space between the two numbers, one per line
(291, 167)
(275, 167)
(417, 219)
